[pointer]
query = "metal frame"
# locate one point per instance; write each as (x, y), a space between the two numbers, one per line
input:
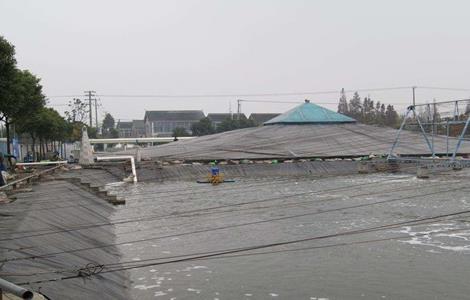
(461, 138)
(447, 123)
(397, 137)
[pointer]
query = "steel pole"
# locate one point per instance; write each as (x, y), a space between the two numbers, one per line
(424, 134)
(397, 137)
(461, 137)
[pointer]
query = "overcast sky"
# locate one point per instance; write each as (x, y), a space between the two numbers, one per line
(239, 47)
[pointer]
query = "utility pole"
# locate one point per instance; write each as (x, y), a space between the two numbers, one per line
(89, 94)
(239, 108)
(414, 96)
(96, 115)
(434, 124)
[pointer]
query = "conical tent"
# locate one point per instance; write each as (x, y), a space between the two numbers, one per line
(309, 113)
(86, 153)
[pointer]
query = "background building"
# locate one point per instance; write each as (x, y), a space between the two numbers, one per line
(217, 118)
(124, 129)
(164, 122)
(138, 128)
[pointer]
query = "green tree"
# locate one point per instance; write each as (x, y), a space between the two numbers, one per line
(108, 121)
(7, 74)
(77, 111)
(203, 127)
(368, 111)
(77, 115)
(391, 116)
(45, 125)
(92, 132)
(343, 104)
(108, 124)
(355, 107)
(230, 124)
(22, 97)
(113, 133)
(179, 131)
(74, 131)
(379, 114)
(7, 67)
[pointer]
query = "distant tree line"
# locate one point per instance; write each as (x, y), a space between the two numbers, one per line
(205, 125)
(368, 112)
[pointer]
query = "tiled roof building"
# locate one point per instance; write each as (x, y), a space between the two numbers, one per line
(164, 122)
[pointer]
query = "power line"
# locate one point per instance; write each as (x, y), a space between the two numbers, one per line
(203, 191)
(239, 94)
(47, 231)
(422, 221)
(445, 88)
(128, 263)
(173, 215)
(221, 253)
(236, 225)
(297, 203)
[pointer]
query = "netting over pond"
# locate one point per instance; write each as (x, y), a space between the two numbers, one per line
(310, 140)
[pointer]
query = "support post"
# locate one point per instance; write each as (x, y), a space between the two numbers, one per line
(96, 116)
(447, 138)
(397, 137)
(434, 125)
(424, 133)
(239, 108)
(461, 137)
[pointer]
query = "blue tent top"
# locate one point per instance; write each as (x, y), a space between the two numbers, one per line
(309, 113)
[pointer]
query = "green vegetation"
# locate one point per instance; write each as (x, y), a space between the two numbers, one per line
(179, 132)
(368, 112)
(233, 124)
(108, 129)
(21, 96)
(205, 126)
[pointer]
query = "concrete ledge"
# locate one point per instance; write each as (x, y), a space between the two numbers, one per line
(99, 191)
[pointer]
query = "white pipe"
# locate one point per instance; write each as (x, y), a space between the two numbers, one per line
(43, 163)
(121, 158)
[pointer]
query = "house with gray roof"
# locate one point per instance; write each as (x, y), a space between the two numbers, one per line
(124, 129)
(164, 122)
(138, 128)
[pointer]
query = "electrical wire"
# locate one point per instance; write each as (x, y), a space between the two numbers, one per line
(134, 263)
(316, 212)
(237, 95)
(177, 214)
(223, 252)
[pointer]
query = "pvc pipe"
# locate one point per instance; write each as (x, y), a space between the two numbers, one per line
(16, 290)
(61, 162)
(122, 158)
